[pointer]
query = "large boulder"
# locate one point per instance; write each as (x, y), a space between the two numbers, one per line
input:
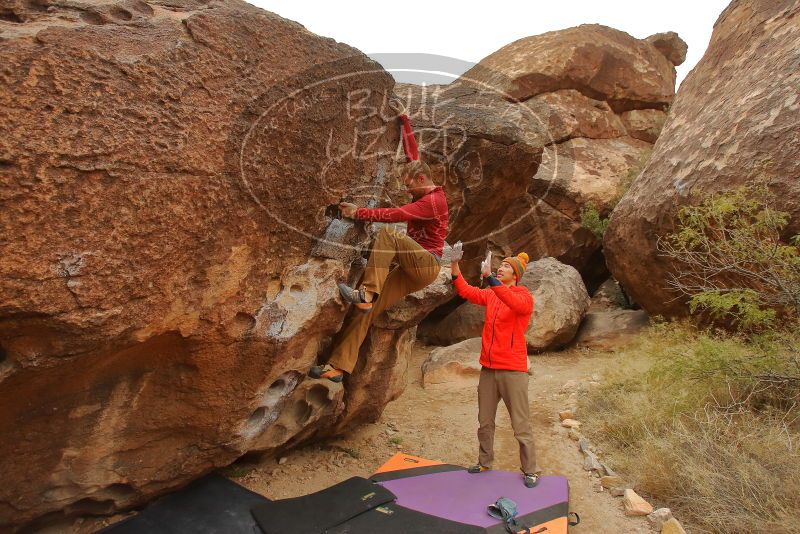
(481, 149)
(608, 330)
(591, 107)
(734, 121)
(600, 62)
(560, 302)
(450, 365)
(463, 323)
(165, 168)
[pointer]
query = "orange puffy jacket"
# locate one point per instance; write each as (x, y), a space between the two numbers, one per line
(508, 312)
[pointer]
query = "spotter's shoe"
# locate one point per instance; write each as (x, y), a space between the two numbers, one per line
(531, 479)
(477, 468)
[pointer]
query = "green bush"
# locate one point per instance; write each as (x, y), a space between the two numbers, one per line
(593, 221)
(730, 262)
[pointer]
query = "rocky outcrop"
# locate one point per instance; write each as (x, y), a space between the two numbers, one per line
(734, 121)
(167, 262)
(463, 323)
(449, 365)
(609, 330)
(560, 302)
(600, 62)
(587, 105)
(670, 45)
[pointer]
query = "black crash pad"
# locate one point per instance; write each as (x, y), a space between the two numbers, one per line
(392, 518)
(320, 511)
(210, 505)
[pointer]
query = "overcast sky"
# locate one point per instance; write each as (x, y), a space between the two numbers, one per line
(471, 30)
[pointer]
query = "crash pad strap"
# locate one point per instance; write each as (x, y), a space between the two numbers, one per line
(322, 510)
(414, 472)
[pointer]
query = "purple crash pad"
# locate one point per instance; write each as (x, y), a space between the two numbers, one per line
(463, 497)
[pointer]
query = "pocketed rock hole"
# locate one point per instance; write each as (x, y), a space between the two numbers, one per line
(255, 419)
(142, 7)
(241, 324)
(91, 17)
(119, 491)
(10, 16)
(317, 396)
(302, 412)
(3, 354)
(91, 507)
(120, 14)
(271, 402)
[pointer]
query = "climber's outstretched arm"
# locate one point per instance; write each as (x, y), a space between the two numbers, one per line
(409, 141)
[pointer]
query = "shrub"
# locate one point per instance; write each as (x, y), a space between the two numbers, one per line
(709, 426)
(731, 263)
(590, 216)
(592, 221)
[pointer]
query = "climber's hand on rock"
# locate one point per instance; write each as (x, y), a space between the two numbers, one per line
(396, 105)
(348, 210)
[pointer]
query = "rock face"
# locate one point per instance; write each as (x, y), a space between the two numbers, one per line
(671, 46)
(586, 105)
(463, 323)
(167, 265)
(447, 365)
(600, 62)
(481, 149)
(734, 121)
(560, 301)
(608, 330)
(382, 370)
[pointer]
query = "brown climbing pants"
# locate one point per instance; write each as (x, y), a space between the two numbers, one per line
(417, 269)
(512, 387)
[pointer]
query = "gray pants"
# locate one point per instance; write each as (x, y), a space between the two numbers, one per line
(512, 387)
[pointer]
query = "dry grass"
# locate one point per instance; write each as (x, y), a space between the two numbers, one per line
(708, 431)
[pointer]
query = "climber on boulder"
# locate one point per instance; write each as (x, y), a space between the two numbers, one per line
(417, 253)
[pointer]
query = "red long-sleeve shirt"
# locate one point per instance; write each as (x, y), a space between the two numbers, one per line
(427, 216)
(427, 219)
(409, 141)
(508, 312)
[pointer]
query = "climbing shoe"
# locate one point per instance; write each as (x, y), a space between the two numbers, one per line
(531, 479)
(356, 296)
(326, 371)
(477, 468)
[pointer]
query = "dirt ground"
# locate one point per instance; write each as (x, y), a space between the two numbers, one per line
(440, 423)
